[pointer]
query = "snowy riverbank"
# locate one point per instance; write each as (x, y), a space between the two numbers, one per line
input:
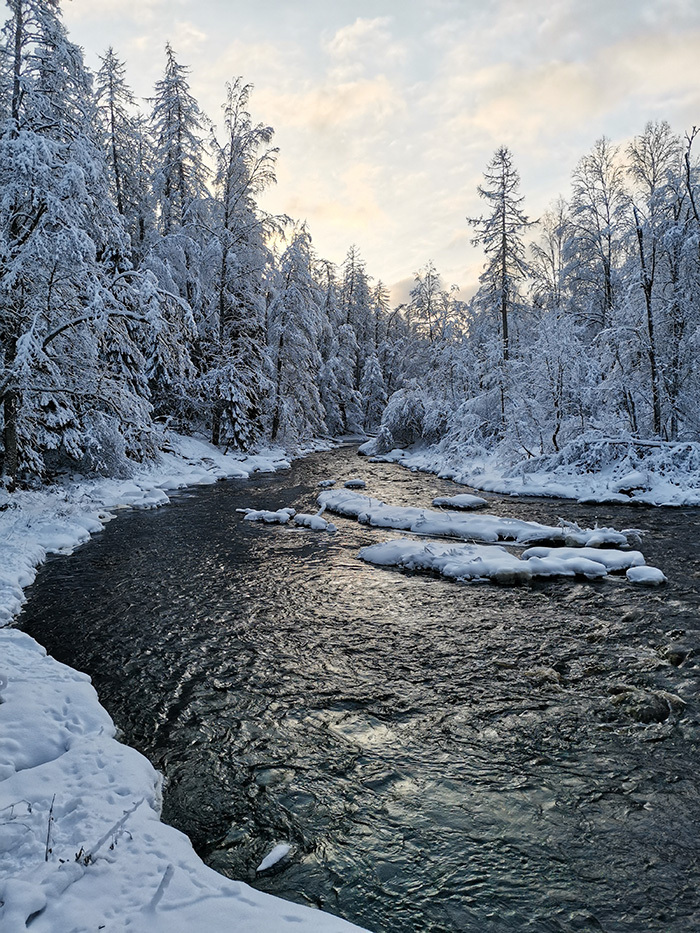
(591, 469)
(82, 847)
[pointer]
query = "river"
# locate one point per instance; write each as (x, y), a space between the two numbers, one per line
(443, 758)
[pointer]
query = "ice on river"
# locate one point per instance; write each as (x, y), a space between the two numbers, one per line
(466, 562)
(488, 529)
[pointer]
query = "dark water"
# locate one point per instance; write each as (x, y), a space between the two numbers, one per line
(442, 757)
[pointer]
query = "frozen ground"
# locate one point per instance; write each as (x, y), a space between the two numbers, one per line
(82, 847)
(590, 469)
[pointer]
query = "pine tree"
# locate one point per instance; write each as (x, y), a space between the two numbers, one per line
(501, 236)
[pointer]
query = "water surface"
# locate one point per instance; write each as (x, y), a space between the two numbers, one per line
(442, 757)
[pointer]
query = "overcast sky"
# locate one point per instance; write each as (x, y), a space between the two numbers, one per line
(386, 113)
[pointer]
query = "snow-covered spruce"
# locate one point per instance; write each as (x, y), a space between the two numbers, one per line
(478, 562)
(485, 528)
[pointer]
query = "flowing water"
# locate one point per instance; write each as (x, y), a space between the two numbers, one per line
(441, 757)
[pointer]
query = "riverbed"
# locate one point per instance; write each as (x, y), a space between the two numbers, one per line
(441, 757)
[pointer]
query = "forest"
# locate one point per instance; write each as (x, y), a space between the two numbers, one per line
(143, 289)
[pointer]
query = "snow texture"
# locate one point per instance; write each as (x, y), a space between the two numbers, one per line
(488, 529)
(475, 562)
(82, 847)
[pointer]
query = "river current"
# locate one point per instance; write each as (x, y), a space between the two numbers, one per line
(442, 758)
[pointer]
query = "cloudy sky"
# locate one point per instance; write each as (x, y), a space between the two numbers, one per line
(386, 113)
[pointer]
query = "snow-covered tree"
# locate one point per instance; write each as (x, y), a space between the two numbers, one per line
(294, 330)
(127, 150)
(236, 368)
(64, 254)
(501, 235)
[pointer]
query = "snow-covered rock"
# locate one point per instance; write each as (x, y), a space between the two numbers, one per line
(355, 484)
(463, 501)
(314, 522)
(646, 576)
(472, 562)
(279, 517)
(610, 559)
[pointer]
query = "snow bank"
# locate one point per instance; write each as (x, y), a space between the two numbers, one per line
(474, 562)
(591, 470)
(485, 528)
(82, 847)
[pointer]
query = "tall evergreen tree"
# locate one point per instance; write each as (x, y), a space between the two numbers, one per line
(500, 233)
(64, 254)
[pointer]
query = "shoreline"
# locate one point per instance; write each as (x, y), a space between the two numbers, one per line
(83, 847)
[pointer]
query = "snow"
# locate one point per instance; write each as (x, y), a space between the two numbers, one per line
(590, 470)
(280, 851)
(355, 484)
(314, 522)
(474, 562)
(485, 528)
(100, 859)
(646, 576)
(280, 517)
(326, 483)
(463, 501)
(610, 559)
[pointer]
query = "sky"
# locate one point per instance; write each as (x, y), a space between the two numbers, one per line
(387, 113)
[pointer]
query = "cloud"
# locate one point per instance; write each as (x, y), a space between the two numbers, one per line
(139, 11)
(364, 46)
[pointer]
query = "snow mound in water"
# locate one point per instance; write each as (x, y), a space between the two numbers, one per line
(646, 576)
(280, 517)
(488, 529)
(612, 560)
(279, 852)
(463, 501)
(472, 562)
(314, 522)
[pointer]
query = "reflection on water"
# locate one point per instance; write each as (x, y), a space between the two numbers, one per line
(441, 757)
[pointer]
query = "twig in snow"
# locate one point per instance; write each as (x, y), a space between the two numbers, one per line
(48, 831)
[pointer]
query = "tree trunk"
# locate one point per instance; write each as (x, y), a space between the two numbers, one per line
(11, 458)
